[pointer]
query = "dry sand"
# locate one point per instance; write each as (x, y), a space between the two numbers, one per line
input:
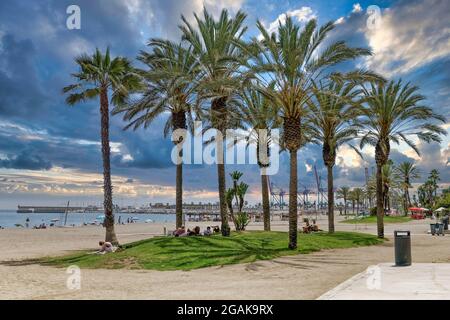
(293, 277)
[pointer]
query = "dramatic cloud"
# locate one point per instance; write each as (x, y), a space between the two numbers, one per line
(409, 35)
(49, 150)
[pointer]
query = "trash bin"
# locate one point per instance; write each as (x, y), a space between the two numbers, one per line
(402, 248)
(433, 228)
(440, 229)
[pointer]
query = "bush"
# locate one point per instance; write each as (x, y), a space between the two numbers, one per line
(241, 221)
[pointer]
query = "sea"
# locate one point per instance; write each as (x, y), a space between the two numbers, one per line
(12, 219)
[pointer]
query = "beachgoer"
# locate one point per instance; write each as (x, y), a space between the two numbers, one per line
(194, 232)
(105, 247)
(179, 231)
(216, 229)
(208, 231)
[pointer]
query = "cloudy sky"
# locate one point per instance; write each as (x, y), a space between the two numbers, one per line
(50, 153)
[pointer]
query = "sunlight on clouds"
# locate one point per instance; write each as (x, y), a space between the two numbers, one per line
(347, 157)
(70, 182)
(302, 15)
(403, 42)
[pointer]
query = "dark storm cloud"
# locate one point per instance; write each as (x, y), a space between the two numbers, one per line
(25, 161)
(36, 59)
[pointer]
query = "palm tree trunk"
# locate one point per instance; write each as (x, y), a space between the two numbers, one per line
(265, 201)
(179, 196)
(380, 204)
(293, 201)
(107, 185)
(330, 200)
(345, 205)
(224, 227)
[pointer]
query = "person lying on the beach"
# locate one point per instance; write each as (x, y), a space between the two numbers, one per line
(105, 247)
(179, 231)
(195, 232)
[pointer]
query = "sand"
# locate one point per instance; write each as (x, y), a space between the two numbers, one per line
(293, 277)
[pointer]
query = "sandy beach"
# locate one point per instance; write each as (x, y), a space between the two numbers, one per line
(294, 277)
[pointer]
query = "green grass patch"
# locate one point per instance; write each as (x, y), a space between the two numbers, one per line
(373, 219)
(186, 253)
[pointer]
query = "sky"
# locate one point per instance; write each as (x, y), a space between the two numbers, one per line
(50, 152)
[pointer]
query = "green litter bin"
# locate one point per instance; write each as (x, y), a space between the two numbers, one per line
(402, 248)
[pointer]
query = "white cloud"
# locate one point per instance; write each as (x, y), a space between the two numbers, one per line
(356, 8)
(408, 37)
(302, 15)
(340, 20)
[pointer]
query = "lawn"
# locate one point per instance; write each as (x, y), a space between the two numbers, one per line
(373, 219)
(186, 253)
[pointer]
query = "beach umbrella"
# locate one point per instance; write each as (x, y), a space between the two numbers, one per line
(440, 209)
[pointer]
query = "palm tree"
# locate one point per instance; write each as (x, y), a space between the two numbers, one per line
(98, 75)
(290, 60)
(393, 112)
(343, 193)
(357, 195)
(334, 114)
(215, 46)
(167, 87)
(406, 172)
(258, 112)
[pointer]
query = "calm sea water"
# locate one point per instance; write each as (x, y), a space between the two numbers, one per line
(9, 218)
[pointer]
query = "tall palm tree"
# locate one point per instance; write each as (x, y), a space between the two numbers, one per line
(260, 115)
(343, 193)
(393, 112)
(215, 46)
(406, 172)
(290, 60)
(167, 88)
(98, 76)
(334, 114)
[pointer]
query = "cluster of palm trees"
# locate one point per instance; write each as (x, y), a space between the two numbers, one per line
(397, 180)
(286, 80)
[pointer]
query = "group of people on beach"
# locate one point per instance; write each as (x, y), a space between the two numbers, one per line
(182, 232)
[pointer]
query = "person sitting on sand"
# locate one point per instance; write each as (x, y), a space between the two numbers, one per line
(216, 229)
(208, 231)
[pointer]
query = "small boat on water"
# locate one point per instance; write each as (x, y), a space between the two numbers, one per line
(149, 221)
